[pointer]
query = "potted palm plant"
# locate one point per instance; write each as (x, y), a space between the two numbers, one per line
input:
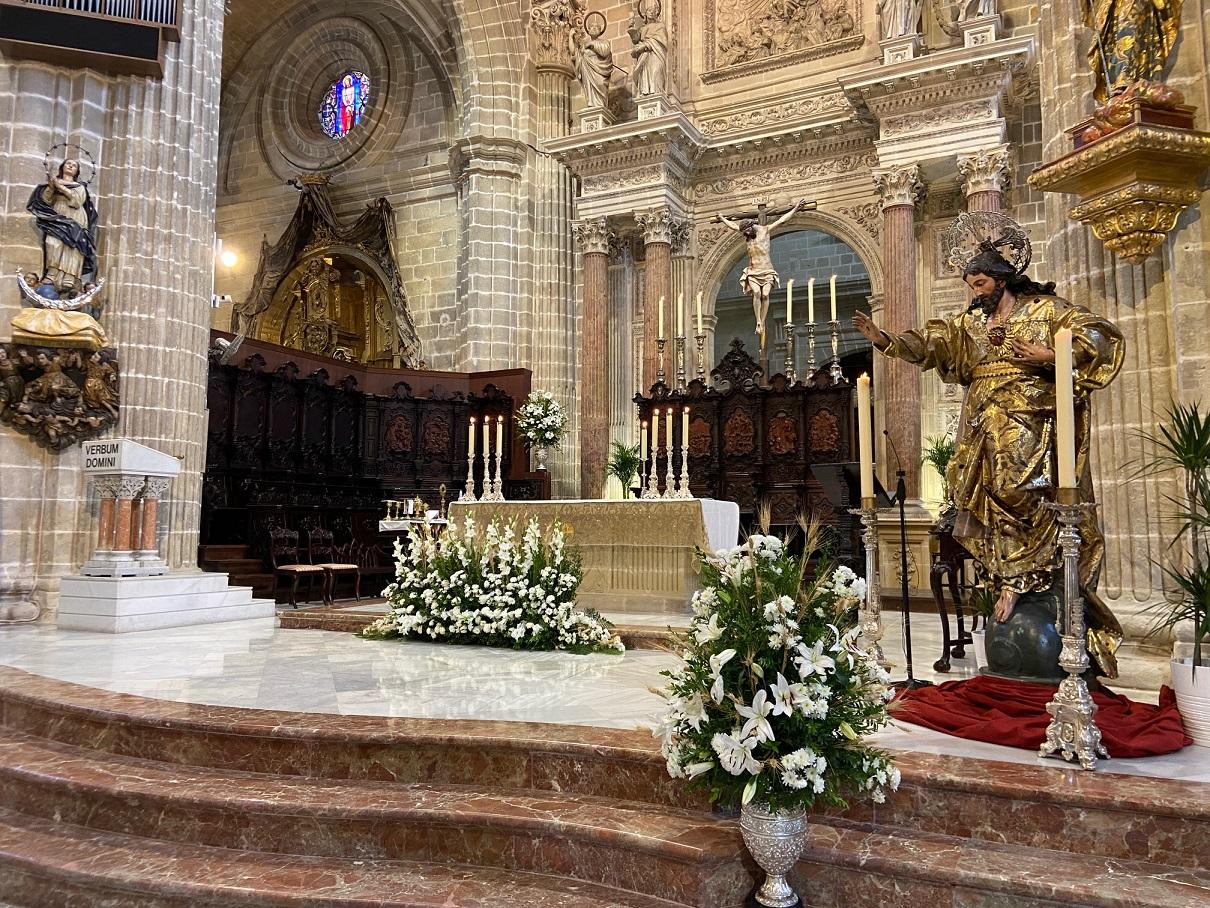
(624, 464)
(938, 452)
(1182, 444)
(983, 605)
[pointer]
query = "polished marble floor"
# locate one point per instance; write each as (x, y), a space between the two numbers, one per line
(256, 664)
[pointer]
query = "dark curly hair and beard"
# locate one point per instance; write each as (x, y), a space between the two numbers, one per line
(988, 261)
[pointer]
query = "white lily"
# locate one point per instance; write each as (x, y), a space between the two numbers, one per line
(757, 715)
(709, 631)
(735, 755)
(813, 661)
(717, 661)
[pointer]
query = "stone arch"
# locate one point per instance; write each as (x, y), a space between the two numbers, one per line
(717, 261)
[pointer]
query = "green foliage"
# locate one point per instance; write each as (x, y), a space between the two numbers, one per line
(624, 465)
(1182, 444)
(983, 602)
(775, 694)
(938, 452)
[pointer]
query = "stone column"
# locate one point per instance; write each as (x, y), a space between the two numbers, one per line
(108, 488)
(149, 548)
(552, 324)
(900, 189)
(593, 237)
(657, 282)
(126, 533)
(985, 177)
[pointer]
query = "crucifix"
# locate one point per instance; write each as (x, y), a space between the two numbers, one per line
(759, 277)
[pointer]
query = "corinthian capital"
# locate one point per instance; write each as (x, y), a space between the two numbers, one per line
(682, 237)
(985, 171)
(551, 24)
(899, 185)
(657, 225)
(593, 235)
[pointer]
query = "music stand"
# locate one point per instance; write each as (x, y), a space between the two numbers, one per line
(841, 483)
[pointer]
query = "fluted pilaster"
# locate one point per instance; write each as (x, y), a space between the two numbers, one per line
(657, 226)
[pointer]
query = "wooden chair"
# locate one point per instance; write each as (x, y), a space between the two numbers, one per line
(286, 561)
(324, 555)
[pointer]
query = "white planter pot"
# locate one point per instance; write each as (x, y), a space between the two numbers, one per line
(979, 642)
(1193, 698)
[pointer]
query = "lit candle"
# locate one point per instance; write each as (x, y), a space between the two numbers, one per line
(1065, 416)
(699, 312)
(486, 436)
(790, 301)
(660, 333)
(865, 437)
(470, 438)
(811, 301)
(669, 434)
(832, 291)
(680, 315)
(499, 435)
(643, 443)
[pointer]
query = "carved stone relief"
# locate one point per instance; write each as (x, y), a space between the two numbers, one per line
(778, 113)
(784, 176)
(966, 112)
(743, 38)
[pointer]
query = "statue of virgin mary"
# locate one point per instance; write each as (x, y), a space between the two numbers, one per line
(67, 219)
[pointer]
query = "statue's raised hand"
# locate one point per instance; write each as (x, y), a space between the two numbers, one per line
(871, 332)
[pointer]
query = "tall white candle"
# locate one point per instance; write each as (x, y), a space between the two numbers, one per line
(669, 434)
(699, 312)
(685, 428)
(1065, 415)
(486, 438)
(790, 301)
(470, 438)
(832, 292)
(660, 333)
(643, 443)
(499, 435)
(865, 436)
(680, 315)
(811, 301)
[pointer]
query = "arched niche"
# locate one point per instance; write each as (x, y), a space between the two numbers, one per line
(800, 253)
(333, 302)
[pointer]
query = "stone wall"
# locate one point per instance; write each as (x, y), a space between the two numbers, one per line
(156, 145)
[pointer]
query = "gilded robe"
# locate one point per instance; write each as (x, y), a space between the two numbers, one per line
(1003, 471)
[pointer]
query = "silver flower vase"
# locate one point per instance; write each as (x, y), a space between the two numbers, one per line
(775, 840)
(542, 451)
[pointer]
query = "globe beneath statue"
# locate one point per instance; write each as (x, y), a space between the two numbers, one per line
(1027, 645)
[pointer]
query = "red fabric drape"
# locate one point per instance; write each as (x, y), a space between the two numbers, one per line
(1013, 713)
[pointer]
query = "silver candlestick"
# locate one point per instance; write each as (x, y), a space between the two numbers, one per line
(468, 490)
(1072, 734)
(669, 488)
(837, 374)
(648, 492)
(701, 357)
(870, 618)
(659, 372)
(788, 369)
(682, 475)
(680, 362)
(810, 350)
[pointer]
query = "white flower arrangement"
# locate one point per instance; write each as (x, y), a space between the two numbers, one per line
(541, 420)
(774, 698)
(497, 590)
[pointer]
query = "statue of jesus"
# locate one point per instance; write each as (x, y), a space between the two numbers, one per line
(759, 278)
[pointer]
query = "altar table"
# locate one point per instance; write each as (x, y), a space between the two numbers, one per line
(637, 555)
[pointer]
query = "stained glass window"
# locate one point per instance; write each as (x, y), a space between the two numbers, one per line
(344, 104)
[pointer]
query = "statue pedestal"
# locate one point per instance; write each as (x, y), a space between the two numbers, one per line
(897, 50)
(594, 118)
(977, 32)
(653, 106)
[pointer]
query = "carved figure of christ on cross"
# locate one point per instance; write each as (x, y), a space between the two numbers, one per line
(759, 277)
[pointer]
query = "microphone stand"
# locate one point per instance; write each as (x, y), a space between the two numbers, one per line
(911, 682)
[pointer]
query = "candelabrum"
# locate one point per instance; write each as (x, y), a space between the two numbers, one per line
(468, 489)
(491, 478)
(669, 488)
(870, 617)
(701, 357)
(791, 340)
(810, 350)
(649, 493)
(682, 474)
(837, 374)
(659, 371)
(1072, 734)
(680, 361)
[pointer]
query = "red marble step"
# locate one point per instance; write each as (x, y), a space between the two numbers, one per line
(854, 864)
(609, 763)
(689, 856)
(49, 865)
